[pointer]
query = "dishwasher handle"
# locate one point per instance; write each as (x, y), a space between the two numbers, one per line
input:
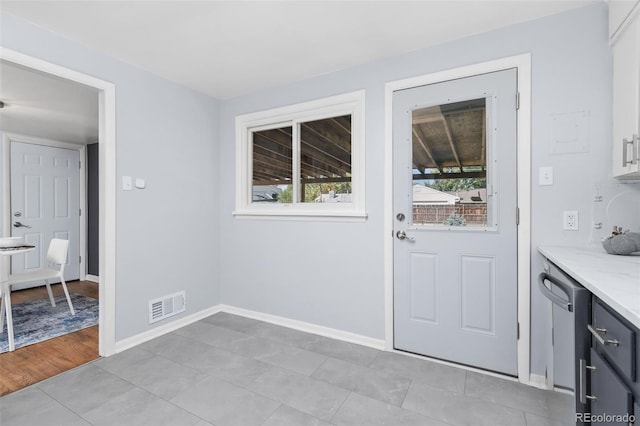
(566, 289)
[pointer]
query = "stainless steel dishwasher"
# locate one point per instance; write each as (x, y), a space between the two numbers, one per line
(571, 339)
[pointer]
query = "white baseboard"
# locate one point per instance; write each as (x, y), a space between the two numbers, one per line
(539, 381)
(138, 339)
(92, 278)
(332, 333)
(307, 327)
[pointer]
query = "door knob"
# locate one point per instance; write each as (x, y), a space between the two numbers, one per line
(401, 235)
(20, 225)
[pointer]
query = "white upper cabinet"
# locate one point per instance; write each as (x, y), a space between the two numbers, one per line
(625, 31)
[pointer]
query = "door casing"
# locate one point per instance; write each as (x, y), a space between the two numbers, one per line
(107, 177)
(523, 65)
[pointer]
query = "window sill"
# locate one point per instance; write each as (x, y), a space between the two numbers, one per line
(326, 216)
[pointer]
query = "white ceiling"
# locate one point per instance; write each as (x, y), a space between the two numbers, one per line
(230, 48)
(41, 105)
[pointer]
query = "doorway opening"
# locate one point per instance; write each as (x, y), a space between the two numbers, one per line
(107, 186)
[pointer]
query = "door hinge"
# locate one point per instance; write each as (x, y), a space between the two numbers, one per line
(517, 216)
(80, 164)
(79, 212)
(79, 259)
(517, 101)
(518, 332)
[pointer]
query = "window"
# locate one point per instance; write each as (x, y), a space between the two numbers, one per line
(305, 160)
(451, 154)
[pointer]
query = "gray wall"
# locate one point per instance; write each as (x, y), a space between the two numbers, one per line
(331, 274)
(167, 234)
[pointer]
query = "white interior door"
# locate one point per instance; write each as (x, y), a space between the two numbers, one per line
(45, 192)
(455, 225)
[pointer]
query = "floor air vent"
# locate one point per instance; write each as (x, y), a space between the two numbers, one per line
(166, 307)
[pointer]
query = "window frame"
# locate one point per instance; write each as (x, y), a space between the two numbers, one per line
(292, 115)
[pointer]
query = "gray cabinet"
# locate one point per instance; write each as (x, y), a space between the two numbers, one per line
(609, 395)
(614, 388)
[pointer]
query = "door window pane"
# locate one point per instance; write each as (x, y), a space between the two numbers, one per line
(449, 157)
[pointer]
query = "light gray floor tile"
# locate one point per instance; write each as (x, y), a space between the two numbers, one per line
(458, 409)
(311, 396)
(85, 388)
(422, 370)
(281, 334)
(278, 354)
(505, 392)
(139, 407)
(265, 381)
(175, 347)
(231, 367)
(224, 404)
(123, 360)
(287, 416)
(561, 406)
(379, 384)
(210, 334)
(345, 351)
(233, 322)
(294, 359)
(33, 407)
(253, 347)
(535, 420)
(359, 410)
(161, 376)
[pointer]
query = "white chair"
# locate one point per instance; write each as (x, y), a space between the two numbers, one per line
(56, 255)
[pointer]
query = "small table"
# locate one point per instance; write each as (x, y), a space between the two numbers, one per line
(5, 252)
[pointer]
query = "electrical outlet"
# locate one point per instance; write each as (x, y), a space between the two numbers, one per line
(570, 220)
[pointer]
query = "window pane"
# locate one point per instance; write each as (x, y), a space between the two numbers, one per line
(325, 160)
(450, 164)
(272, 165)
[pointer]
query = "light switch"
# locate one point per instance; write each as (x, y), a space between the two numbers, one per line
(127, 183)
(140, 183)
(546, 176)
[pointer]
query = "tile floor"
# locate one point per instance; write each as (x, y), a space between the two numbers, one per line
(228, 370)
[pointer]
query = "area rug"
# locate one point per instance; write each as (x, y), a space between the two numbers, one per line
(37, 320)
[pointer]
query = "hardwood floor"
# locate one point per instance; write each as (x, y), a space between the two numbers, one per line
(39, 361)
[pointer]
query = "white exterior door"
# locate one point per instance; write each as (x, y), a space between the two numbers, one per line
(45, 193)
(455, 221)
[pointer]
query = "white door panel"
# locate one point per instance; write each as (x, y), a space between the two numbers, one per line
(455, 273)
(45, 196)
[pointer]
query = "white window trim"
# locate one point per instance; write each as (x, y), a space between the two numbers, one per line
(349, 103)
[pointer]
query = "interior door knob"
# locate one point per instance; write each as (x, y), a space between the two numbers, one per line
(20, 225)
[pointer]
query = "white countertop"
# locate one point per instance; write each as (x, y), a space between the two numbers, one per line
(613, 279)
